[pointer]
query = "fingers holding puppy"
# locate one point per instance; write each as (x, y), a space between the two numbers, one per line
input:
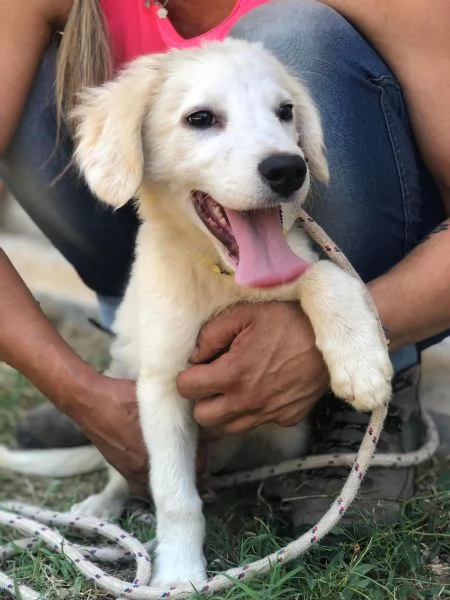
(267, 370)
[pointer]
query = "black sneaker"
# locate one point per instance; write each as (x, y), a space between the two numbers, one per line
(47, 427)
(338, 428)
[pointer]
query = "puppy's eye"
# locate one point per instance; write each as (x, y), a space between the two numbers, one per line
(286, 112)
(201, 119)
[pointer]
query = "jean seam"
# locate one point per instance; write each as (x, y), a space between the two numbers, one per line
(381, 84)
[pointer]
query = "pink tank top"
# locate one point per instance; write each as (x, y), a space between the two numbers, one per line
(137, 29)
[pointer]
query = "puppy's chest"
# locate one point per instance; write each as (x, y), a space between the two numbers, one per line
(170, 296)
(172, 282)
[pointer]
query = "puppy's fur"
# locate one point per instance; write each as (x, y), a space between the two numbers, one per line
(135, 140)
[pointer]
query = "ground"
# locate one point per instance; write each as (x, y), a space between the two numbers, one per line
(408, 562)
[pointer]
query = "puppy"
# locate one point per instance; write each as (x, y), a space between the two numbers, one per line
(217, 145)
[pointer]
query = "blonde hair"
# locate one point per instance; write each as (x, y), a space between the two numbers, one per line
(84, 57)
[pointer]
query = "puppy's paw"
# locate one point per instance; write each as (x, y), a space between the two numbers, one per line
(363, 381)
(100, 506)
(13, 460)
(177, 566)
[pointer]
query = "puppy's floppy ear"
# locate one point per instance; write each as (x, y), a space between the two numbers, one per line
(309, 127)
(108, 130)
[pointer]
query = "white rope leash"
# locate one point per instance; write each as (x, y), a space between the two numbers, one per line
(139, 589)
(117, 554)
(19, 516)
(320, 461)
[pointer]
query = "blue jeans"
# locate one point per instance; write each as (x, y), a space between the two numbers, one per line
(380, 201)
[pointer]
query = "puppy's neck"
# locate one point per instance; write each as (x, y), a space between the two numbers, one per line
(175, 237)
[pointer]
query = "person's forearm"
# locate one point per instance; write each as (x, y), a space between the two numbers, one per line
(413, 298)
(30, 344)
(104, 408)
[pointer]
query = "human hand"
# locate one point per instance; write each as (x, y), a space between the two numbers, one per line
(109, 418)
(111, 422)
(254, 364)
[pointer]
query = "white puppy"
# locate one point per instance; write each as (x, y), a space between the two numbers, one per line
(217, 145)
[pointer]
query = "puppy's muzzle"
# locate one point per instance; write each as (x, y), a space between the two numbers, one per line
(284, 173)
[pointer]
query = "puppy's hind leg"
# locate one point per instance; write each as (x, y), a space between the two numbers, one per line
(109, 503)
(285, 443)
(267, 445)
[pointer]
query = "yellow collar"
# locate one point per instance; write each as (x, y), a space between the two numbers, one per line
(221, 270)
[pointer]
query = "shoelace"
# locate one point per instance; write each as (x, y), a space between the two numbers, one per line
(337, 418)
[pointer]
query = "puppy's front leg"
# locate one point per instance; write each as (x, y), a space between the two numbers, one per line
(171, 438)
(347, 334)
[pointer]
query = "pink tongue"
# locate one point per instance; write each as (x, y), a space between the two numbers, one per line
(265, 259)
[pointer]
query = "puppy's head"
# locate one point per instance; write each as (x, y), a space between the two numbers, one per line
(228, 134)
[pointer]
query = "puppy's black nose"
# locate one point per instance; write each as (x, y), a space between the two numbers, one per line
(285, 173)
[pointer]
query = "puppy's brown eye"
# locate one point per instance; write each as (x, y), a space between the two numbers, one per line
(201, 119)
(286, 112)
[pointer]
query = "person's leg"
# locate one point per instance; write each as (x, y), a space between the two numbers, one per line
(373, 208)
(97, 241)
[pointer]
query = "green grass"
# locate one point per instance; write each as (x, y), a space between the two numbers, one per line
(408, 562)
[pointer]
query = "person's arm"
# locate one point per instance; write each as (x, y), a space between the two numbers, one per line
(25, 31)
(26, 27)
(30, 344)
(103, 407)
(413, 298)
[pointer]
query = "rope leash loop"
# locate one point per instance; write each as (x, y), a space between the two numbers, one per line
(219, 582)
(19, 515)
(323, 461)
(56, 542)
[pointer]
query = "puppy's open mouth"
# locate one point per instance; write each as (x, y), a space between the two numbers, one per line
(215, 218)
(254, 242)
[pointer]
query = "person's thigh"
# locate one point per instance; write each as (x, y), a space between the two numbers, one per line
(97, 241)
